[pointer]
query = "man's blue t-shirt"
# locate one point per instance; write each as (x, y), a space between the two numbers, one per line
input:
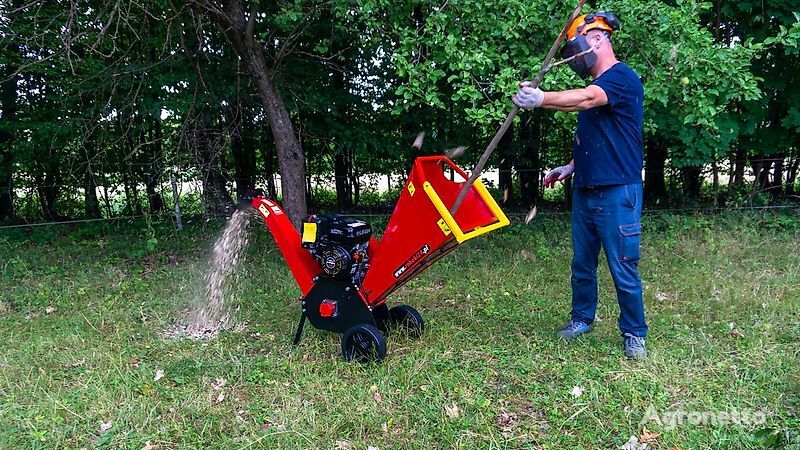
(608, 142)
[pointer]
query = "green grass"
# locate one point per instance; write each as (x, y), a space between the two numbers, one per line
(488, 354)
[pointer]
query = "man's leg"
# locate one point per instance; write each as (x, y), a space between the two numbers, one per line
(586, 248)
(620, 233)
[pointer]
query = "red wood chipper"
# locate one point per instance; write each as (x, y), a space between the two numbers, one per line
(345, 274)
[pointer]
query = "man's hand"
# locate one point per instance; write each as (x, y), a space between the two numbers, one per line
(528, 97)
(558, 174)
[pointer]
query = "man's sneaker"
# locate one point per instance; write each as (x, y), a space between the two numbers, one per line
(573, 329)
(634, 346)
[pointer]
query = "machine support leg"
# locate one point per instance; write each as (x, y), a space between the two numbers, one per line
(299, 333)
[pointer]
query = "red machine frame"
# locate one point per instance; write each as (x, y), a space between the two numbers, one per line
(420, 231)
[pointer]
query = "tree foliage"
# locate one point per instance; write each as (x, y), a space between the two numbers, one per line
(102, 103)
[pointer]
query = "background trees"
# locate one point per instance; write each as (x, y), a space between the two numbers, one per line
(102, 104)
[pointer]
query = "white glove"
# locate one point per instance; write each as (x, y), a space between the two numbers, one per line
(558, 174)
(528, 97)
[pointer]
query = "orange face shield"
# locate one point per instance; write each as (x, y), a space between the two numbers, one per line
(577, 43)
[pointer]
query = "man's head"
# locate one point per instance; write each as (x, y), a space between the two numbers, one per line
(590, 32)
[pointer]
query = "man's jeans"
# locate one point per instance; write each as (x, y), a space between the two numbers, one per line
(608, 215)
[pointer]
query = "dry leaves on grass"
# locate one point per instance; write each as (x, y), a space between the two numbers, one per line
(241, 415)
(577, 391)
(104, 427)
(218, 383)
(633, 444)
(375, 394)
(506, 421)
(452, 411)
(343, 445)
(76, 364)
(648, 437)
(50, 310)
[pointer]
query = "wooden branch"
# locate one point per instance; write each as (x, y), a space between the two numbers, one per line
(476, 172)
(251, 22)
(206, 5)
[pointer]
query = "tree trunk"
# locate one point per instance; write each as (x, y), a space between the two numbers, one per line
(738, 163)
(131, 192)
(776, 187)
(506, 175)
(244, 153)
(48, 179)
(154, 199)
(762, 179)
(106, 199)
(692, 181)
(268, 155)
(530, 139)
(216, 199)
(344, 195)
(91, 202)
(715, 176)
(6, 182)
(791, 176)
(655, 188)
(355, 185)
(342, 111)
(310, 164)
(153, 178)
(8, 103)
(290, 154)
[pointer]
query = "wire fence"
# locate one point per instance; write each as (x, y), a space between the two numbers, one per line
(116, 204)
(544, 213)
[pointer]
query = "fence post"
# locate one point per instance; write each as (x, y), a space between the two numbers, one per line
(178, 223)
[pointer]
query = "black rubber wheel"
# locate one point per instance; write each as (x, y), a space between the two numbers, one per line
(363, 343)
(407, 320)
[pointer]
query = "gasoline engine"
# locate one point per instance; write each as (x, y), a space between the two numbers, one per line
(339, 245)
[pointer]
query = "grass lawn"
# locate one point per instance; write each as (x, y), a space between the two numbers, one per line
(81, 311)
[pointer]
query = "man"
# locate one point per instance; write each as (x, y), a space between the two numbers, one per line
(607, 165)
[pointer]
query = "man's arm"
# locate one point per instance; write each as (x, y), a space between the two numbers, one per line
(575, 99)
(571, 100)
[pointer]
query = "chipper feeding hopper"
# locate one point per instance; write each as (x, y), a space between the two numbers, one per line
(345, 274)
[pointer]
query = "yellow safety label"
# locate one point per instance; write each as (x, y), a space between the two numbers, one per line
(443, 225)
(309, 232)
(411, 188)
